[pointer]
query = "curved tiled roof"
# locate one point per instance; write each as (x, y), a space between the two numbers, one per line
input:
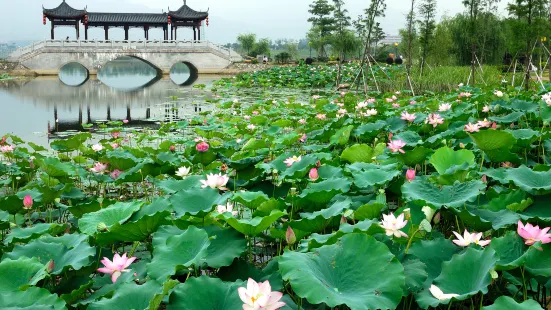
(185, 12)
(64, 11)
(127, 18)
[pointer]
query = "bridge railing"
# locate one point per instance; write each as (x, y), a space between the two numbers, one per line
(124, 44)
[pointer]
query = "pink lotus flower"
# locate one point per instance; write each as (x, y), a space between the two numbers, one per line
(251, 127)
(389, 100)
(303, 138)
(412, 102)
(370, 112)
(172, 148)
(371, 100)
(315, 97)
(468, 238)
(218, 181)
(115, 145)
(226, 208)
(115, 174)
(115, 134)
(434, 120)
(362, 105)
(125, 121)
(259, 296)
(97, 147)
(408, 117)
(472, 127)
(27, 202)
(484, 124)
(486, 109)
(291, 160)
(256, 112)
(410, 175)
(6, 148)
(396, 146)
(392, 225)
(313, 174)
(99, 168)
(396, 105)
(290, 236)
(444, 107)
(532, 234)
(116, 267)
(302, 121)
(202, 147)
(321, 117)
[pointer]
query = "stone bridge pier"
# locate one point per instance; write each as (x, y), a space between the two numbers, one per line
(48, 57)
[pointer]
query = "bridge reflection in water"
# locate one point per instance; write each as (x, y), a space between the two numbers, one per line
(44, 100)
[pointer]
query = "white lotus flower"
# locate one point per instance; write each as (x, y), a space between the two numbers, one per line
(438, 294)
(218, 181)
(97, 147)
(183, 172)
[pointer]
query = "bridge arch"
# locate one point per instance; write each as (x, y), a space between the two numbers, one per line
(193, 72)
(71, 73)
(154, 66)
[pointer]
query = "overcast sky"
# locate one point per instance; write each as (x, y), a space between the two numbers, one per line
(22, 19)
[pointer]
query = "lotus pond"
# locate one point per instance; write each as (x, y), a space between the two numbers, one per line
(335, 201)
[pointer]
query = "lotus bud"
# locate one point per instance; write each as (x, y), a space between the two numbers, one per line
(318, 164)
(407, 213)
(102, 227)
(275, 171)
(390, 135)
(51, 266)
(12, 225)
(224, 168)
(314, 175)
(293, 191)
(436, 218)
(444, 141)
(58, 200)
(484, 179)
(461, 145)
(429, 212)
(410, 175)
(172, 148)
(343, 220)
(27, 202)
(512, 125)
(290, 236)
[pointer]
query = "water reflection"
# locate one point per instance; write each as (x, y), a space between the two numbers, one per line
(73, 74)
(128, 74)
(181, 74)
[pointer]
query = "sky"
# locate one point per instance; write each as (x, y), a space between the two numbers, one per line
(274, 19)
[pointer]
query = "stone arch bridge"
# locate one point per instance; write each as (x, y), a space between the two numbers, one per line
(48, 57)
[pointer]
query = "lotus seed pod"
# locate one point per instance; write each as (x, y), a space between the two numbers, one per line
(102, 227)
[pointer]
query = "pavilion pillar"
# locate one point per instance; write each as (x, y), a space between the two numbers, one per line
(171, 33)
(128, 113)
(85, 32)
(126, 32)
(106, 28)
(175, 32)
(80, 114)
(52, 31)
(199, 33)
(78, 30)
(146, 30)
(89, 118)
(108, 112)
(194, 34)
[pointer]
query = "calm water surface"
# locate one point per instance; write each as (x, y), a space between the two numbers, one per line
(126, 88)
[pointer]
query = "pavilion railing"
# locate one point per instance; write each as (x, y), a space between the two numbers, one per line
(124, 44)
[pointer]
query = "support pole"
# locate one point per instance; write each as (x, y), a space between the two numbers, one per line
(86, 32)
(126, 32)
(175, 32)
(171, 33)
(128, 118)
(194, 34)
(89, 118)
(106, 28)
(52, 31)
(78, 30)
(199, 33)
(108, 112)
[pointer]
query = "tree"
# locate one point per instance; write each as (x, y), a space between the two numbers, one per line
(489, 7)
(247, 41)
(323, 20)
(473, 7)
(262, 47)
(410, 37)
(315, 40)
(427, 25)
(378, 36)
(531, 13)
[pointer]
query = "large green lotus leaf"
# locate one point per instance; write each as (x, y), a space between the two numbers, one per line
(539, 209)
(205, 293)
(445, 159)
(72, 143)
(171, 186)
(369, 227)
(113, 214)
(524, 137)
(359, 153)
(331, 274)
(168, 286)
(242, 160)
(11, 204)
(240, 270)
(374, 177)
(515, 200)
(416, 274)
(139, 172)
(254, 226)
(318, 221)
(454, 196)
(538, 262)
(4, 220)
(509, 249)
(534, 182)
(190, 246)
(507, 119)
(129, 296)
(433, 253)
(267, 207)
(33, 298)
(250, 200)
(496, 144)
(17, 274)
(196, 202)
(416, 156)
(322, 192)
(55, 168)
(483, 219)
(24, 235)
(369, 130)
(369, 211)
(466, 274)
(411, 138)
(327, 172)
(508, 303)
(64, 257)
(120, 159)
(299, 169)
(342, 135)
(140, 225)
(225, 246)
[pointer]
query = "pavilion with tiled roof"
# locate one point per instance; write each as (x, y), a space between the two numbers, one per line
(65, 15)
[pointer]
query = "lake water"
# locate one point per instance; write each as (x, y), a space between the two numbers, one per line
(126, 88)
